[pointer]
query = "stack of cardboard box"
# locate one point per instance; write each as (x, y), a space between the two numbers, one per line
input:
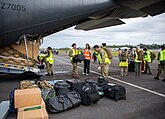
(30, 104)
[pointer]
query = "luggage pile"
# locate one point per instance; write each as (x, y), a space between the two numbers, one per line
(72, 93)
(59, 95)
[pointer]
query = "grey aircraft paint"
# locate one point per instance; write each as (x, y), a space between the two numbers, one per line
(44, 17)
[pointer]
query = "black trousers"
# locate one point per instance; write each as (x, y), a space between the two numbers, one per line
(131, 67)
(86, 66)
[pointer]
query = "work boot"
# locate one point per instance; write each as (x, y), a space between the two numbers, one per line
(157, 78)
(163, 80)
(47, 74)
(51, 74)
(74, 75)
(144, 72)
(149, 73)
(77, 76)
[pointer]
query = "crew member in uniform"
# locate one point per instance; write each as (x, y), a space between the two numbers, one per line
(137, 62)
(49, 61)
(161, 63)
(147, 60)
(103, 59)
(72, 53)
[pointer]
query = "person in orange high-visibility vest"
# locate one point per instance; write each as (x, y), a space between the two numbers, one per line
(87, 54)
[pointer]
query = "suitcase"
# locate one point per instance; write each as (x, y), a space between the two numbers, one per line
(114, 91)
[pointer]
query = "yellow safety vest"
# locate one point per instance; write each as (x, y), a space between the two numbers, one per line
(41, 56)
(75, 52)
(99, 57)
(136, 57)
(147, 56)
(162, 56)
(50, 58)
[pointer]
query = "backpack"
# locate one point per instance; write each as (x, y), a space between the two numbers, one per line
(153, 56)
(25, 84)
(123, 56)
(12, 109)
(44, 85)
(108, 53)
(140, 56)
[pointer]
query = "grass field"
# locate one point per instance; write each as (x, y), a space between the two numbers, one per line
(114, 53)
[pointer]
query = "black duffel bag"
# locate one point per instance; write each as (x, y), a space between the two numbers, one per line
(87, 91)
(47, 94)
(78, 58)
(61, 87)
(63, 102)
(112, 90)
(98, 88)
(162, 62)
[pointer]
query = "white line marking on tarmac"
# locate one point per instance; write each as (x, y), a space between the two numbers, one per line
(130, 84)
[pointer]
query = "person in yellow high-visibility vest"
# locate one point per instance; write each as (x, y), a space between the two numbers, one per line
(123, 63)
(147, 59)
(138, 61)
(41, 58)
(49, 61)
(72, 53)
(103, 59)
(161, 63)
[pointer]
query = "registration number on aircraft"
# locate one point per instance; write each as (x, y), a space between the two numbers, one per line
(10, 6)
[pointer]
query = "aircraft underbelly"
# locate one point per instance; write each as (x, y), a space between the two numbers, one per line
(39, 16)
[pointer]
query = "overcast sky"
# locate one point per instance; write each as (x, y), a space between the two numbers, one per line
(136, 30)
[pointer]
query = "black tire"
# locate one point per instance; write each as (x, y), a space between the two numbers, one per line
(30, 75)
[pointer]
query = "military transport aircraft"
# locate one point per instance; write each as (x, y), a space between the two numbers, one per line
(36, 19)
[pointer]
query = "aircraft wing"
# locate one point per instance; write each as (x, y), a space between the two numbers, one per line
(126, 9)
(101, 23)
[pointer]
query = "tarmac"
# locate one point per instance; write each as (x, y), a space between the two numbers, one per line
(145, 95)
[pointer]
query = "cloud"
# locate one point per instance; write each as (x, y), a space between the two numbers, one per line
(147, 30)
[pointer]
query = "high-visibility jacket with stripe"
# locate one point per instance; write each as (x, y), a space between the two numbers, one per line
(87, 54)
(147, 56)
(74, 52)
(136, 57)
(103, 57)
(50, 58)
(162, 56)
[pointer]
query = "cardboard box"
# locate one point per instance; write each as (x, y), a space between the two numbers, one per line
(27, 97)
(42, 105)
(33, 114)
